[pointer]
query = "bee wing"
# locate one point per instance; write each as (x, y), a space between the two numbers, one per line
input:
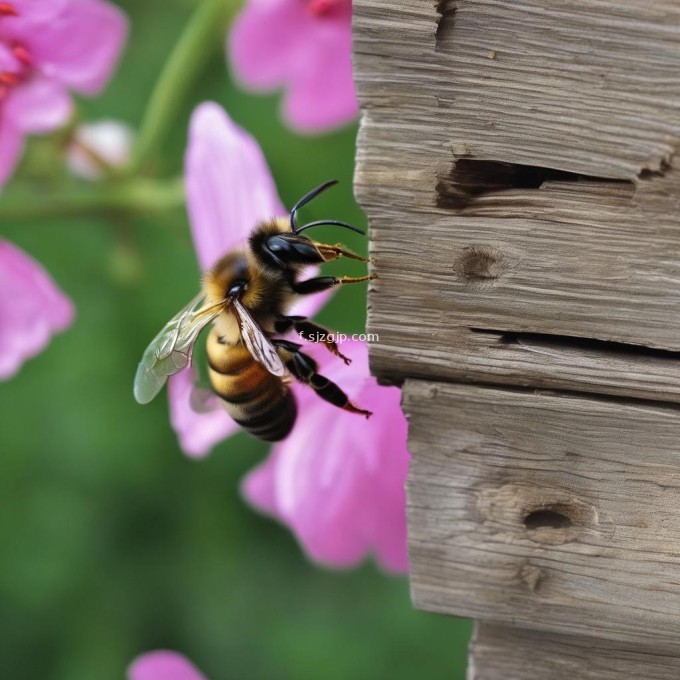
(170, 351)
(256, 341)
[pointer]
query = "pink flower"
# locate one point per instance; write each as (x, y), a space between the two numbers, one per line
(338, 480)
(32, 309)
(303, 46)
(229, 190)
(162, 665)
(44, 53)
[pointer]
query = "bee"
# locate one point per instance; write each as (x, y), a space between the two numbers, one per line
(246, 296)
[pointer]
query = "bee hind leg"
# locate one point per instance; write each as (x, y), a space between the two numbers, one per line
(312, 332)
(304, 368)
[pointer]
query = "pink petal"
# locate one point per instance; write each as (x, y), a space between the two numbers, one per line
(163, 665)
(329, 538)
(198, 433)
(8, 60)
(319, 483)
(38, 9)
(229, 190)
(229, 185)
(79, 47)
(32, 308)
(322, 510)
(280, 43)
(40, 105)
(338, 480)
(390, 547)
(387, 485)
(11, 145)
(267, 42)
(259, 486)
(321, 93)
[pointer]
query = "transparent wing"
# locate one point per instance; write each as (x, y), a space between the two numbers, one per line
(170, 351)
(256, 341)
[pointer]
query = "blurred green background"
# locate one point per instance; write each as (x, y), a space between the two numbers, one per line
(113, 542)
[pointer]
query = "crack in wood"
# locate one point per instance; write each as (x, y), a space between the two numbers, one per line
(446, 9)
(547, 341)
(470, 177)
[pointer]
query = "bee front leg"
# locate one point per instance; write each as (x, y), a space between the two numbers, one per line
(310, 331)
(304, 368)
(320, 283)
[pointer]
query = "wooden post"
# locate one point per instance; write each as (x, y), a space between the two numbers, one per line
(516, 161)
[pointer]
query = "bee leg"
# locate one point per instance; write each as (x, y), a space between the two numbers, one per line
(310, 331)
(303, 367)
(333, 252)
(319, 283)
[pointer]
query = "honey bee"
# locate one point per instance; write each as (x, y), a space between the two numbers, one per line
(246, 295)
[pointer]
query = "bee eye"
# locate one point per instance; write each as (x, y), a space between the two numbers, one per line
(276, 246)
(237, 287)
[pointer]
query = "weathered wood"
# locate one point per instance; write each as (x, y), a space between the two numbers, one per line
(516, 161)
(515, 654)
(591, 88)
(546, 511)
(529, 360)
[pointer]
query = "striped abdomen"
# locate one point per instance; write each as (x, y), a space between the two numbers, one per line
(258, 401)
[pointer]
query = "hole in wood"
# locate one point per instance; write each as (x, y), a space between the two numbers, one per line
(547, 518)
(544, 515)
(469, 178)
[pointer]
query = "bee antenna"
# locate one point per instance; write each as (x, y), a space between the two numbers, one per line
(306, 199)
(332, 222)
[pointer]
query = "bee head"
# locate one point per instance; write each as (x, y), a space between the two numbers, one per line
(276, 247)
(279, 244)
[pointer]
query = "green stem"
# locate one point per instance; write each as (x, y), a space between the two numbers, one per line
(203, 33)
(130, 197)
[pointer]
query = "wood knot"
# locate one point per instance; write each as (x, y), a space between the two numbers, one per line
(480, 263)
(532, 576)
(544, 516)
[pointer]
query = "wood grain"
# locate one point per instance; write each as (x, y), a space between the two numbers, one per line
(528, 360)
(590, 88)
(499, 653)
(546, 511)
